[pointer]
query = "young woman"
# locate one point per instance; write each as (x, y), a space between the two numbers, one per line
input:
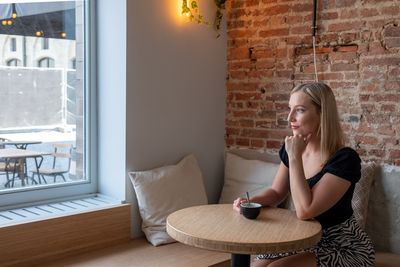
(320, 173)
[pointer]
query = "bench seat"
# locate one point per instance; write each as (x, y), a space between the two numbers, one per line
(139, 252)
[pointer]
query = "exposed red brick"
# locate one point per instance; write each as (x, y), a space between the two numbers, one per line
(243, 64)
(377, 153)
(392, 86)
(330, 76)
(365, 129)
(265, 64)
(392, 31)
(257, 143)
(238, 74)
(300, 30)
(329, 15)
(394, 73)
(347, 48)
(274, 32)
(231, 122)
(369, 140)
(392, 42)
(229, 142)
(357, 55)
(347, 57)
(274, 144)
(246, 123)
(345, 3)
(388, 108)
(238, 53)
(245, 86)
(344, 67)
(391, 10)
(349, 37)
(244, 113)
(251, 3)
(247, 96)
(394, 154)
(302, 7)
(242, 141)
(369, 12)
(346, 26)
(349, 13)
(232, 131)
(386, 130)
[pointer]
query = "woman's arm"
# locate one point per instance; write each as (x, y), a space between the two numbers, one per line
(273, 195)
(326, 193)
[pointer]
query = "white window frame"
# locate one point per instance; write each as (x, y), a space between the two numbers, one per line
(22, 197)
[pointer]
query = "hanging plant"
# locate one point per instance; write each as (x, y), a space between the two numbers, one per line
(218, 14)
(192, 11)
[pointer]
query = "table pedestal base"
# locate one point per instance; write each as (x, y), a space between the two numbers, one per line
(240, 260)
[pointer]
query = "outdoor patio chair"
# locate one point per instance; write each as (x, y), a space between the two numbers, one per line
(54, 172)
(2, 139)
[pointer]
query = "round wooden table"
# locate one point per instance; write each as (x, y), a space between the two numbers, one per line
(219, 227)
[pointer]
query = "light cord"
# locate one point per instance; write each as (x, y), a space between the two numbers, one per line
(315, 60)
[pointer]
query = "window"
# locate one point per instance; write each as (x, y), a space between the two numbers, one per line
(73, 63)
(46, 63)
(49, 105)
(45, 43)
(14, 62)
(13, 44)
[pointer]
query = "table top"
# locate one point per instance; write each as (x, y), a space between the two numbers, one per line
(218, 227)
(20, 142)
(20, 153)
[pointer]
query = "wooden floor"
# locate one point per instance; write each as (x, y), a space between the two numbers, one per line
(140, 253)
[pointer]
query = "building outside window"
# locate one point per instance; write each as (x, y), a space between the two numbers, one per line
(50, 105)
(14, 62)
(45, 43)
(13, 44)
(46, 63)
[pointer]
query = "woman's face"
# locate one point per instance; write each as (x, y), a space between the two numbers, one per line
(303, 116)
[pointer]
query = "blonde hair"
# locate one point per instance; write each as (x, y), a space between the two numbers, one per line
(329, 128)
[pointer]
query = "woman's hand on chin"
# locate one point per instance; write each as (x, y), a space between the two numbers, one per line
(295, 145)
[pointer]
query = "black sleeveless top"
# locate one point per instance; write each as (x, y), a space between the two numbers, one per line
(346, 164)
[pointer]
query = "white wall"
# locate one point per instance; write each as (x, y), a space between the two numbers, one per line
(175, 98)
(111, 84)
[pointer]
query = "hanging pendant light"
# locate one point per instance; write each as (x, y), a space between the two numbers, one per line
(14, 12)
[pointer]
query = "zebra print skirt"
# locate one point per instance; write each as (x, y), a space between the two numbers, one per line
(345, 244)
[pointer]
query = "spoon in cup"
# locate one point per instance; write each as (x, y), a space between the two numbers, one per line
(248, 198)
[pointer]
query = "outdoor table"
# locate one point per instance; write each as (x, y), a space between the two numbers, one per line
(19, 144)
(220, 228)
(21, 154)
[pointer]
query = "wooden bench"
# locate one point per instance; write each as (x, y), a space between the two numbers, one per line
(139, 252)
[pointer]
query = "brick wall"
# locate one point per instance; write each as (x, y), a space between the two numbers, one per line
(358, 55)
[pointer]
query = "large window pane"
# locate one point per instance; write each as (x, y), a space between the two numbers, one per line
(43, 77)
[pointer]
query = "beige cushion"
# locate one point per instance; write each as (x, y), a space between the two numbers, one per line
(164, 190)
(242, 175)
(361, 193)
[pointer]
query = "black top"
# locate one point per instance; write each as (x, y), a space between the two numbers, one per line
(346, 164)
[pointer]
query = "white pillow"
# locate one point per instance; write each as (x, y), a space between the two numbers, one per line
(242, 175)
(164, 190)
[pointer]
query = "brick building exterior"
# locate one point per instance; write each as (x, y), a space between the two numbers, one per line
(358, 55)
